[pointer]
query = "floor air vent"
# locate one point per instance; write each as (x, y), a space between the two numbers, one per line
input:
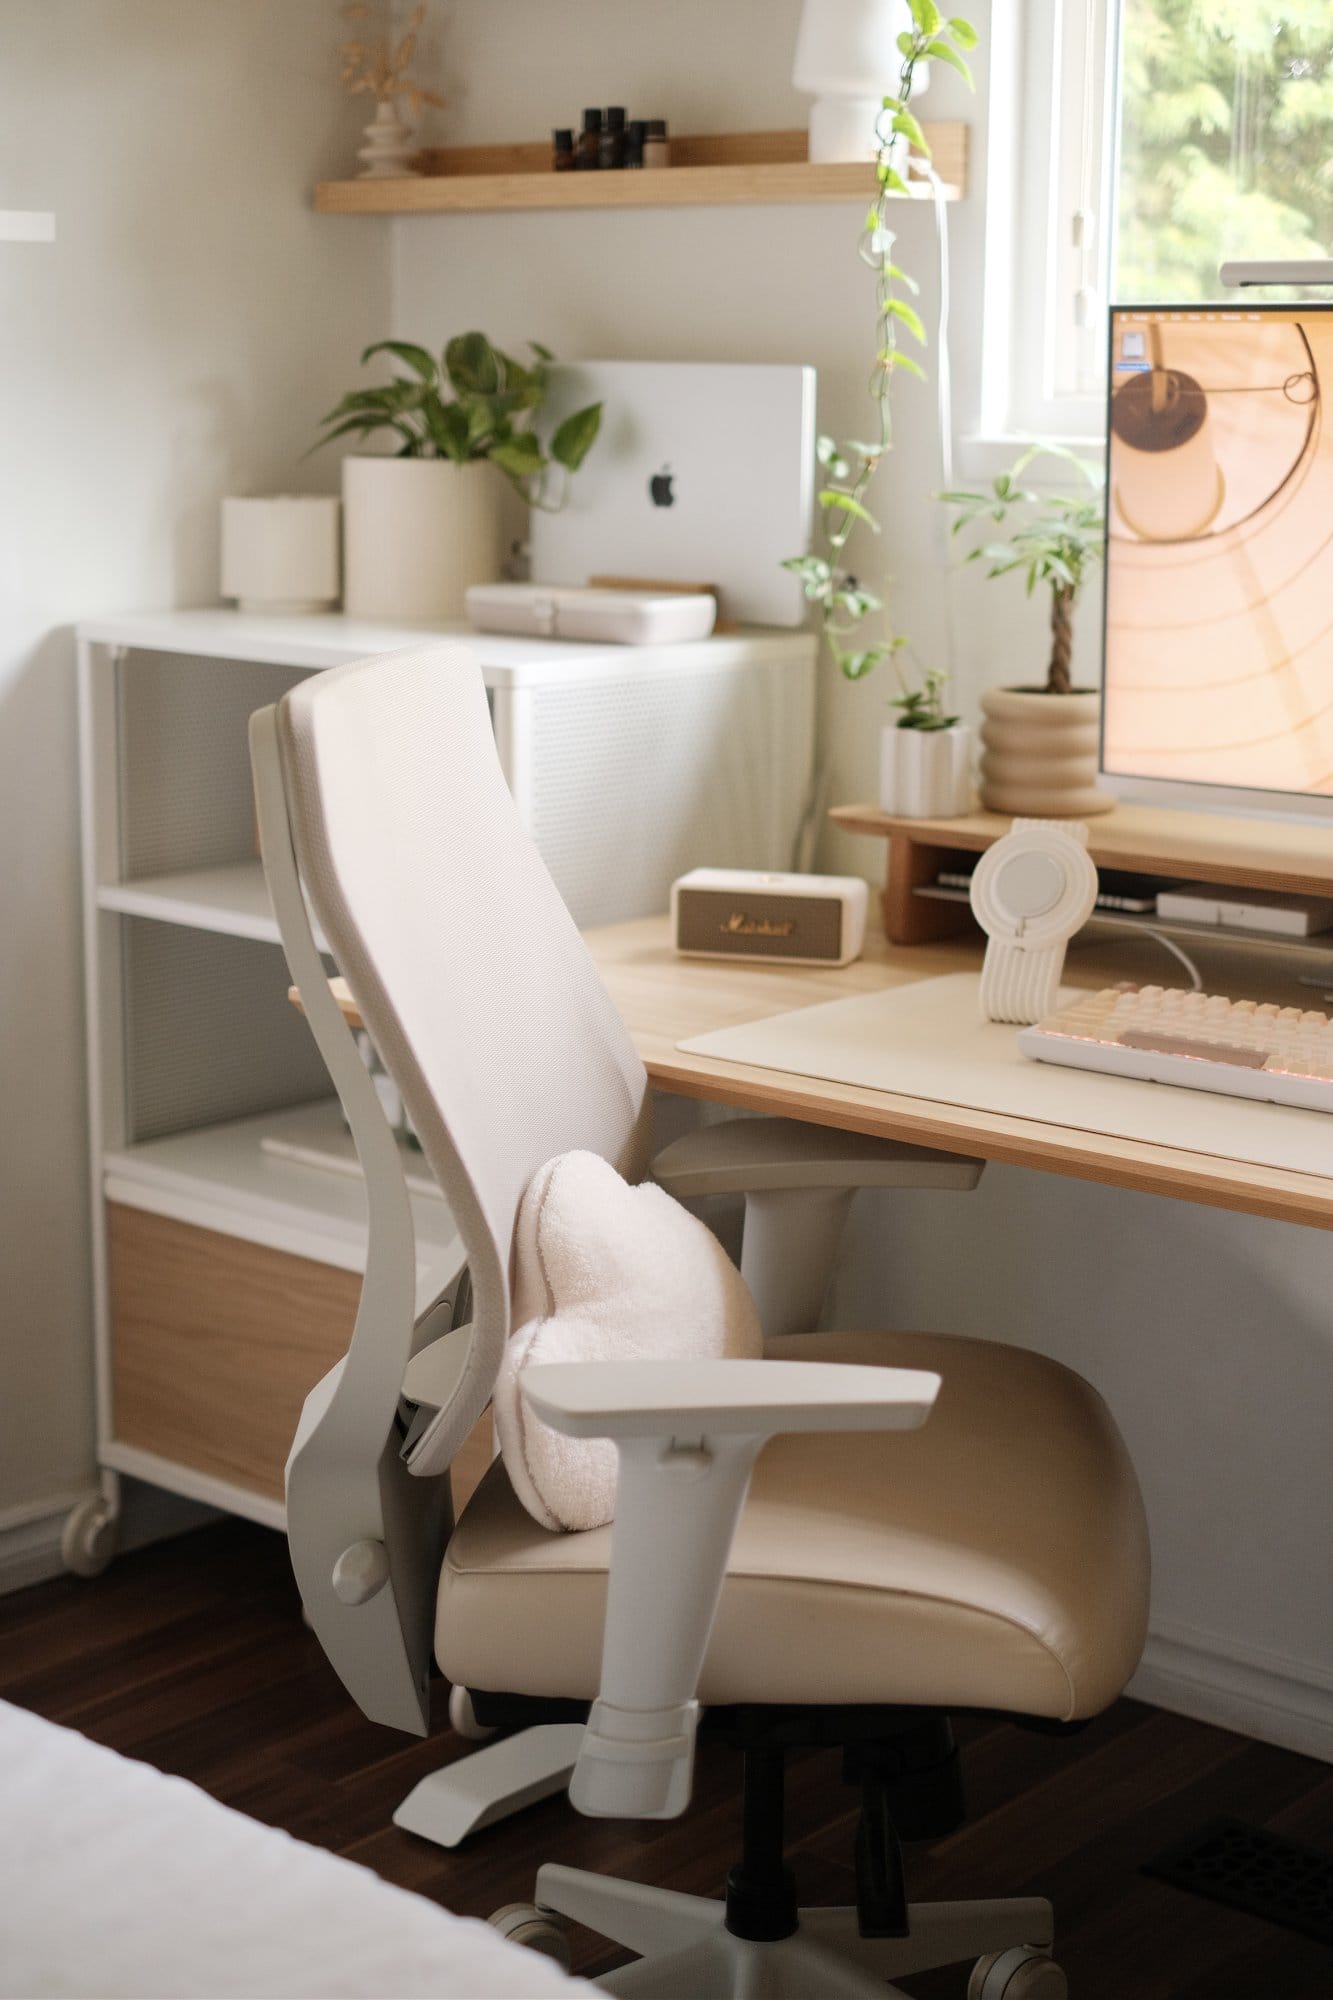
(1250, 1869)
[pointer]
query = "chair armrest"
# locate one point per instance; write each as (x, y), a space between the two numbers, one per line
(665, 1400)
(687, 1434)
(762, 1155)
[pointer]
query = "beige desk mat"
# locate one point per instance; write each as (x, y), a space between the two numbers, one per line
(928, 1040)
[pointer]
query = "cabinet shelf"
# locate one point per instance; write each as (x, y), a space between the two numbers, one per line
(708, 170)
(233, 901)
(288, 1179)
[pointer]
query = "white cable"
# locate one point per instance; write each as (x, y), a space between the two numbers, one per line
(944, 408)
(1168, 944)
(943, 380)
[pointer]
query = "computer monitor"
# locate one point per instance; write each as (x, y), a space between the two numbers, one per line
(1218, 655)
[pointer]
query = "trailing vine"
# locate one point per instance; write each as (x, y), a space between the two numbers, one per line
(849, 469)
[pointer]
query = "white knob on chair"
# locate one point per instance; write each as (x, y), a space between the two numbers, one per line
(360, 1572)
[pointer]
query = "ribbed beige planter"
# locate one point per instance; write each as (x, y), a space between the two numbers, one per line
(1039, 753)
(416, 533)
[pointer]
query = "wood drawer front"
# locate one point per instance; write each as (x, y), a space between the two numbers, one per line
(216, 1343)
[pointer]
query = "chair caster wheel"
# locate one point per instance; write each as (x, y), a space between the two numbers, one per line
(535, 1929)
(1021, 1973)
(463, 1717)
(88, 1540)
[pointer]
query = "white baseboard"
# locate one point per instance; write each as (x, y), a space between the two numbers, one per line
(30, 1541)
(1248, 1689)
(30, 1534)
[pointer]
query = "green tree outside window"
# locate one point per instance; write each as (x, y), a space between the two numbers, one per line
(1226, 140)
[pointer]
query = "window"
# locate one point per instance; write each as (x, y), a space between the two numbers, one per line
(1226, 140)
(1180, 133)
(1047, 228)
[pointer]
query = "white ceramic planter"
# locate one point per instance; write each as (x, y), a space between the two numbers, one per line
(1039, 753)
(416, 533)
(925, 773)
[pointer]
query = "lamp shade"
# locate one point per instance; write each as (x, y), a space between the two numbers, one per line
(847, 58)
(849, 48)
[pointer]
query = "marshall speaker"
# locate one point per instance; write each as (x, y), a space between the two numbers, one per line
(741, 913)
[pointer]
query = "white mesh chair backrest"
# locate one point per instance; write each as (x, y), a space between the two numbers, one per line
(465, 964)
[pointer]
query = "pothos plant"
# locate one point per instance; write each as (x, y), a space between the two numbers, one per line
(475, 402)
(922, 707)
(1059, 538)
(845, 604)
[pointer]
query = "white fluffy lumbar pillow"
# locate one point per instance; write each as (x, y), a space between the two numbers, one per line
(605, 1272)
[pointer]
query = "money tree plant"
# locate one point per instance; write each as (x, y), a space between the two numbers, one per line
(844, 604)
(1055, 539)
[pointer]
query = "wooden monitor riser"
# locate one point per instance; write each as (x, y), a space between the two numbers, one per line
(1295, 857)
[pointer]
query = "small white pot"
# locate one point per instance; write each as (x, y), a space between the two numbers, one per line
(925, 773)
(281, 554)
(416, 533)
(1039, 753)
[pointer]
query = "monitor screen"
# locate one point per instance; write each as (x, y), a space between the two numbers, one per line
(1218, 666)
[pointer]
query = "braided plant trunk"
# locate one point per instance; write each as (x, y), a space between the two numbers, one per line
(1062, 642)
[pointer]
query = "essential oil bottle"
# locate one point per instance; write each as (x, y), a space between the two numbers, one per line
(612, 152)
(562, 150)
(587, 153)
(656, 146)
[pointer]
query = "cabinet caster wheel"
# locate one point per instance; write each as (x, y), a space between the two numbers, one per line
(88, 1541)
(463, 1717)
(1021, 1973)
(535, 1929)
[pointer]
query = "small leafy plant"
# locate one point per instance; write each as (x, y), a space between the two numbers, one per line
(922, 707)
(844, 603)
(1059, 539)
(476, 402)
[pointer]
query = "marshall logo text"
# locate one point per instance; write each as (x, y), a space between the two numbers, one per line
(738, 924)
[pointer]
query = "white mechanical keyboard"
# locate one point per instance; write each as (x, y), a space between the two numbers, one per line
(1242, 1048)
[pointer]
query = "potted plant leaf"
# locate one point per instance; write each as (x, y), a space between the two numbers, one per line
(1039, 743)
(423, 522)
(925, 758)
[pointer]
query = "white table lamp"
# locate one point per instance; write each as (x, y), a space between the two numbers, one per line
(847, 57)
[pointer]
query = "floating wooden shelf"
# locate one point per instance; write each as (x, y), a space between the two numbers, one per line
(708, 169)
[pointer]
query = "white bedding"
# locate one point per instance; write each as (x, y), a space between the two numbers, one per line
(115, 1880)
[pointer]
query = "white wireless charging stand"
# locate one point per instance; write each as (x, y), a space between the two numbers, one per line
(1030, 892)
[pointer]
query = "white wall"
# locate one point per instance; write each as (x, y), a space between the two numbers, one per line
(177, 341)
(1210, 1334)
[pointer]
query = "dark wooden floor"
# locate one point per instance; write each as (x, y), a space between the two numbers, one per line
(192, 1656)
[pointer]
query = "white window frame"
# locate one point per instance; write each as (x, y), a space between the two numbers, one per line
(1035, 166)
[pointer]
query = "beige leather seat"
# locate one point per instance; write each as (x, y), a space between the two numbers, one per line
(916, 1570)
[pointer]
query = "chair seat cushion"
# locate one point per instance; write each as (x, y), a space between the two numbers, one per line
(996, 1558)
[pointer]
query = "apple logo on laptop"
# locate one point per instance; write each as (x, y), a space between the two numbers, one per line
(659, 488)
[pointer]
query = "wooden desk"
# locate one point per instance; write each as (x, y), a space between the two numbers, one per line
(664, 999)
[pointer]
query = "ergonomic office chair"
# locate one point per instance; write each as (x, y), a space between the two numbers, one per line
(845, 1589)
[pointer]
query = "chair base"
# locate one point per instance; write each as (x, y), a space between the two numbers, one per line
(491, 1783)
(685, 1947)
